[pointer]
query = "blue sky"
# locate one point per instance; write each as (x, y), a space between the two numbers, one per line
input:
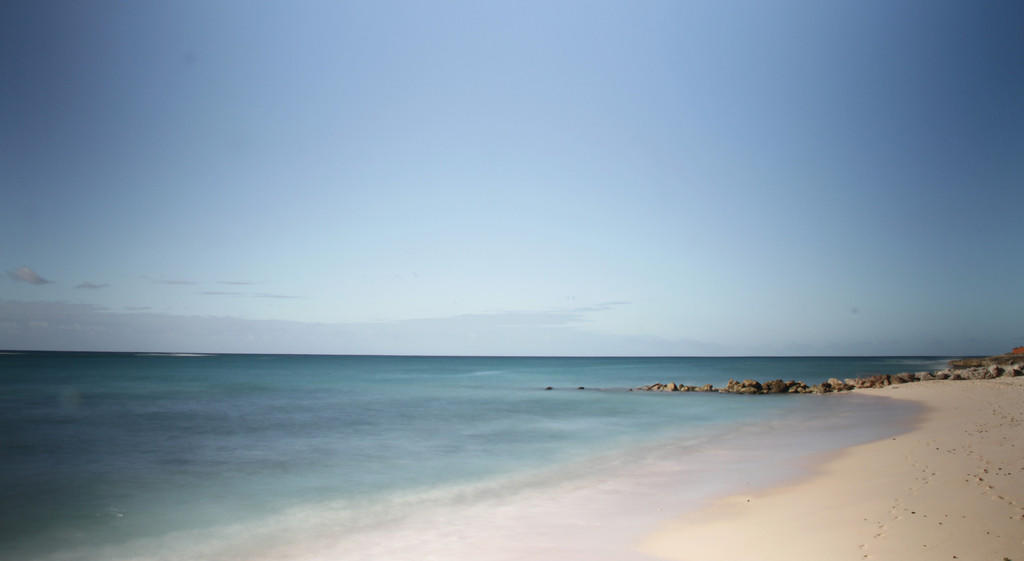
(666, 178)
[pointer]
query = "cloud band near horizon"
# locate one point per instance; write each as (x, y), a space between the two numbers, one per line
(26, 275)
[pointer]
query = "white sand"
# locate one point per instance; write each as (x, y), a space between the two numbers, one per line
(953, 488)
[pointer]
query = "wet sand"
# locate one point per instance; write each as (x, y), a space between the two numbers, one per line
(952, 488)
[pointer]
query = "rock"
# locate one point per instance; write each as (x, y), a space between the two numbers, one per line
(875, 381)
(580, 388)
(748, 390)
(776, 386)
(706, 388)
(751, 384)
(903, 378)
(996, 371)
(971, 373)
(976, 373)
(671, 387)
(837, 385)
(548, 388)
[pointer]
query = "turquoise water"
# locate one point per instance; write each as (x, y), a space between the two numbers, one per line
(104, 455)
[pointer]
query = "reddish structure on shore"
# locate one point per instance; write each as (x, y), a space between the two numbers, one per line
(1017, 351)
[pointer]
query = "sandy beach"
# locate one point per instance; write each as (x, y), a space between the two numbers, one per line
(952, 488)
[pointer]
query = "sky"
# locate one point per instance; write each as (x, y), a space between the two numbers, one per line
(512, 178)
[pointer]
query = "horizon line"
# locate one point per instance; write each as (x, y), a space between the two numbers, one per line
(400, 355)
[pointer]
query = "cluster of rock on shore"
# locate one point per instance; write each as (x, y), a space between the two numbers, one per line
(980, 372)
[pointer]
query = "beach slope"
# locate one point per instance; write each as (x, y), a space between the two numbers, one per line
(952, 488)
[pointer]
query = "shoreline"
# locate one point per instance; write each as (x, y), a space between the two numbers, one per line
(950, 488)
(962, 369)
(595, 508)
(635, 460)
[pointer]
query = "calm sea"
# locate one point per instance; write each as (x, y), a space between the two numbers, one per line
(149, 456)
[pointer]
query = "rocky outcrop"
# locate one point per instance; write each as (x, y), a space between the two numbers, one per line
(997, 360)
(744, 387)
(751, 387)
(673, 387)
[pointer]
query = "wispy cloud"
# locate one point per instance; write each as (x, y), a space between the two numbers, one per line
(601, 307)
(91, 285)
(138, 308)
(248, 294)
(236, 283)
(547, 318)
(186, 282)
(65, 326)
(24, 274)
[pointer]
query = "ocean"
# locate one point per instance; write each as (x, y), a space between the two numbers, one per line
(177, 456)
